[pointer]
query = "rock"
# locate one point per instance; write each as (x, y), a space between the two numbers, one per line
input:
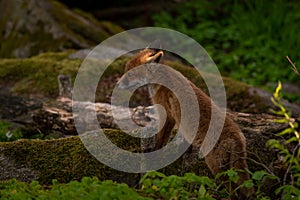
(30, 27)
(289, 88)
(265, 98)
(62, 159)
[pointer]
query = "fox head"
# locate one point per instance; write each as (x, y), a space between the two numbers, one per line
(143, 57)
(146, 56)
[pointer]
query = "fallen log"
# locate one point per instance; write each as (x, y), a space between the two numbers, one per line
(61, 118)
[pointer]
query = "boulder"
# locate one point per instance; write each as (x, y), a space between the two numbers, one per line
(30, 27)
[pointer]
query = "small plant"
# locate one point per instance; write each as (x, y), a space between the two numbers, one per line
(7, 133)
(230, 177)
(88, 188)
(159, 186)
(288, 148)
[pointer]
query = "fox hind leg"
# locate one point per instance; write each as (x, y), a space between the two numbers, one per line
(221, 159)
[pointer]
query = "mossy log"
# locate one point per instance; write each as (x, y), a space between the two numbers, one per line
(60, 118)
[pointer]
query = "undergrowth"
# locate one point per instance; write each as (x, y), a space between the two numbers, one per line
(247, 39)
(288, 148)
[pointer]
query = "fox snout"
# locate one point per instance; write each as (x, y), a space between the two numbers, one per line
(155, 56)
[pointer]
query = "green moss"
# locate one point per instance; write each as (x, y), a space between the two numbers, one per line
(63, 159)
(38, 74)
(58, 56)
(67, 159)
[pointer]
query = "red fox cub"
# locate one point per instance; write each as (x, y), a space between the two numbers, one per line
(229, 151)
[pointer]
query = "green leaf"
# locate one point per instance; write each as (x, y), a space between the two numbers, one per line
(248, 184)
(288, 191)
(233, 176)
(152, 175)
(55, 182)
(219, 175)
(285, 131)
(203, 180)
(292, 139)
(272, 143)
(282, 121)
(202, 191)
(258, 175)
(34, 185)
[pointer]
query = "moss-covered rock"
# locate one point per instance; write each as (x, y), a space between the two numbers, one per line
(37, 75)
(62, 159)
(31, 27)
(67, 159)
